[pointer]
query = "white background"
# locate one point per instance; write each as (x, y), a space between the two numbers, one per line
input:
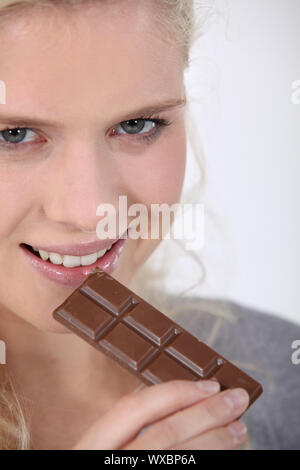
(240, 78)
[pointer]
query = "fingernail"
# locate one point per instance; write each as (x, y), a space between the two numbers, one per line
(238, 429)
(236, 398)
(208, 386)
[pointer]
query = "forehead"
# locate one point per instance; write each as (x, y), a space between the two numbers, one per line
(104, 54)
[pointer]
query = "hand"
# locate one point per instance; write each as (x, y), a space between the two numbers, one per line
(178, 414)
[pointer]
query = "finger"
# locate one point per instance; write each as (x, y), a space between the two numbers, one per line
(135, 411)
(223, 438)
(215, 411)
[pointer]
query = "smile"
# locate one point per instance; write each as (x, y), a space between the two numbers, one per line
(68, 261)
(71, 270)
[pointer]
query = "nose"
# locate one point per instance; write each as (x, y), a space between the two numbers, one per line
(78, 181)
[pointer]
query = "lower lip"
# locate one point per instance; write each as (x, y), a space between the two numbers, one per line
(75, 276)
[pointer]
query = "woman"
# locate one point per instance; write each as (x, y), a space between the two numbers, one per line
(95, 109)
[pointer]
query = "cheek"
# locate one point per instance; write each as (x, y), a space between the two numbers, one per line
(16, 189)
(157, 177)
(157, 174)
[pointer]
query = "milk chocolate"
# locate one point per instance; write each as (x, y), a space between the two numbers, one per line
(142, 339)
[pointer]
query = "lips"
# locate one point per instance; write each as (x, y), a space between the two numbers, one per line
(76, 275)
(81, 249)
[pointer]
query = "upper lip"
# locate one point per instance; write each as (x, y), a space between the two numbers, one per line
(78, 249)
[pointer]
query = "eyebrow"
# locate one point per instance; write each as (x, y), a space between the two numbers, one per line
(143, 111)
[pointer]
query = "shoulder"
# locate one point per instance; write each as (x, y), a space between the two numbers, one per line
(200, 309)
(237, 328)
(260, 343)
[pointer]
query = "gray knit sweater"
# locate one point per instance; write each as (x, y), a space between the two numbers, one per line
(260, 344)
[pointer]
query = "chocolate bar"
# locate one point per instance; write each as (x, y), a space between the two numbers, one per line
(142, 339)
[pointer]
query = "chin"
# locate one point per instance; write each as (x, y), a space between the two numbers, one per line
(54, 327)
(43, 323)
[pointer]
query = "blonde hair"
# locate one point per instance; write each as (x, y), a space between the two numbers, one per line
(184, 20)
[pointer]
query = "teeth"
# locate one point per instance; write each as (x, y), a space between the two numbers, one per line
(101, 252)
(71, 261)
(88, 259)
(55, 258)
(43, 254)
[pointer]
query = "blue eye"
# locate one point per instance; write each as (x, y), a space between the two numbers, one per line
(135, 127)
(16, 136)
(144, 128)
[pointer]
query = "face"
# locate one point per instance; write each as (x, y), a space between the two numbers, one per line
(72, 82)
